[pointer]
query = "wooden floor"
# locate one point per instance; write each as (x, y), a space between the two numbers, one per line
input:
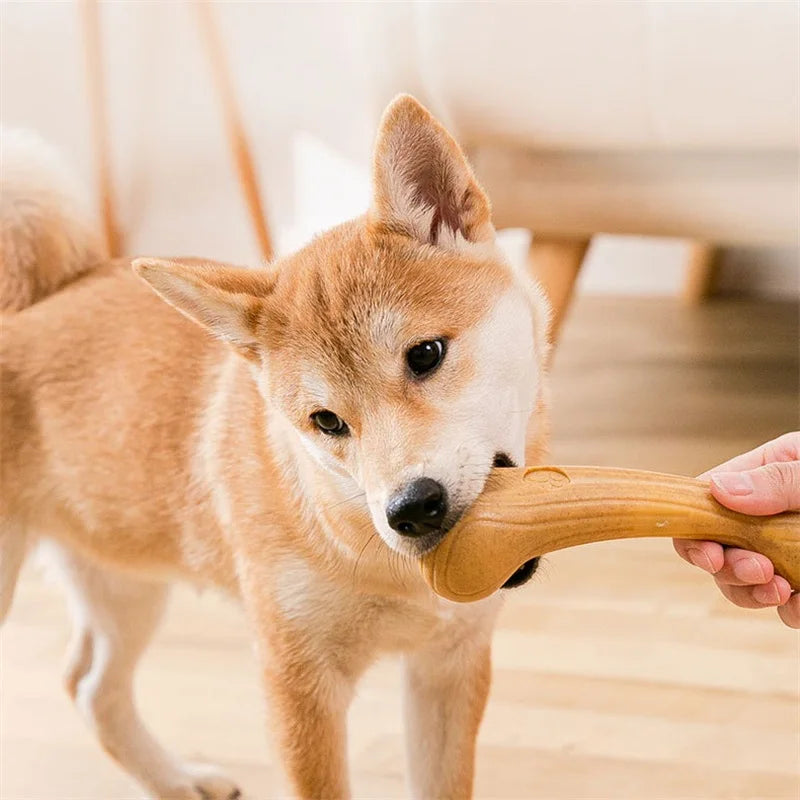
(619, 673)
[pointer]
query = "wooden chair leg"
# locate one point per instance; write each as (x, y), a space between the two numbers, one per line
(701, 273)
(556, 263)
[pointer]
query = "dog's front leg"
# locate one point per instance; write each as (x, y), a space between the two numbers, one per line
(309, 723)
(446, 690)
(309, 687)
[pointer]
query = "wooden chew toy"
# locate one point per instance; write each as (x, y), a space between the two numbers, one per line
(524, 513)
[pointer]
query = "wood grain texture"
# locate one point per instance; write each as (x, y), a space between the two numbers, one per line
(620, 672)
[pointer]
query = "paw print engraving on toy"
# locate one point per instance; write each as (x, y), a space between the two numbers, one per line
(546, 479)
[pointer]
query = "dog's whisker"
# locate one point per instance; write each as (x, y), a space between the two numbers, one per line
(350, 499)
(360, 554)
(397, 563)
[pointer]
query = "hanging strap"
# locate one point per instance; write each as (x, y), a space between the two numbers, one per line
(237, 139)
(240, 149)
(99, 126)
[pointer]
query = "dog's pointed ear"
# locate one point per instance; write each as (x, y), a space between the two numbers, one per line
(228, 301)
(423, 185)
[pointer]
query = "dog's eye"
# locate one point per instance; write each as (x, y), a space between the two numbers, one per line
(329, 423)
(424, 357)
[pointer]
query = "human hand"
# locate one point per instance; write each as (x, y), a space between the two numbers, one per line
(764, 481)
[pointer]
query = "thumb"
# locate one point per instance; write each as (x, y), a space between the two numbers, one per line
(766, 490)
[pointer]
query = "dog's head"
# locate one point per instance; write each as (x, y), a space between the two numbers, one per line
(403, 350)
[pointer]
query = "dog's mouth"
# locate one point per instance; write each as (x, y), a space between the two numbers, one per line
(502, 460)
(527, 570)
(522, 575)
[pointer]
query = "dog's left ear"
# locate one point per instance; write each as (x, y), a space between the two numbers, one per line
(422, 184)
(228, 301)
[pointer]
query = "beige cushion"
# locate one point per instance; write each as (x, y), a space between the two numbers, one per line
(616, 75)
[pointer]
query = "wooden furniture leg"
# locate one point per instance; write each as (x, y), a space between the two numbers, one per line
(555, 263)
(701, 273)
(99, 125)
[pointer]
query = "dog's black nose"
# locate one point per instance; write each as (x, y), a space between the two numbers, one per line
(418, 508)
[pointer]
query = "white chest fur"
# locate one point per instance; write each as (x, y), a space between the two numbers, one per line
(328, 613)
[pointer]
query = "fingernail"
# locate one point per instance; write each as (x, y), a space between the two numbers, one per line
(749, 570)
(700, 559)
(735, 483)
(767, 594)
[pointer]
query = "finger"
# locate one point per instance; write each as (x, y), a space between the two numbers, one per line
(709, 556)
(776, 592)
(751, 597)
(767, 490)
(790, 611)
(744, 568)
(784, 448)
(751, 460)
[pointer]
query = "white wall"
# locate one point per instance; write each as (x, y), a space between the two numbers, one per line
(311, 79)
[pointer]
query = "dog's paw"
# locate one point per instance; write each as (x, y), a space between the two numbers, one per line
(211, 784)
(204, 782)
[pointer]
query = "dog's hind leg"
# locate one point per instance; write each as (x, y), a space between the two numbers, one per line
(13, 544)
(115, 618)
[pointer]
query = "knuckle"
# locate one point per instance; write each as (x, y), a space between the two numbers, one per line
(783, 480)
(773, 474)
(782, 473)
(789, 445)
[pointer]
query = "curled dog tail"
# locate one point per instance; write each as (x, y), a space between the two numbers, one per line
(46, 236)
(47, 239)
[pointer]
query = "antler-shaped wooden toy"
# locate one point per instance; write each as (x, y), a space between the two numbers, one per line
(524, 513)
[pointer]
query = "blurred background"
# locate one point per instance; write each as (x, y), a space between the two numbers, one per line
(665, 119)
(643, 160)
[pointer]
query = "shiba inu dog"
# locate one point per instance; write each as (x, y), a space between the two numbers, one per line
(297, 436)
